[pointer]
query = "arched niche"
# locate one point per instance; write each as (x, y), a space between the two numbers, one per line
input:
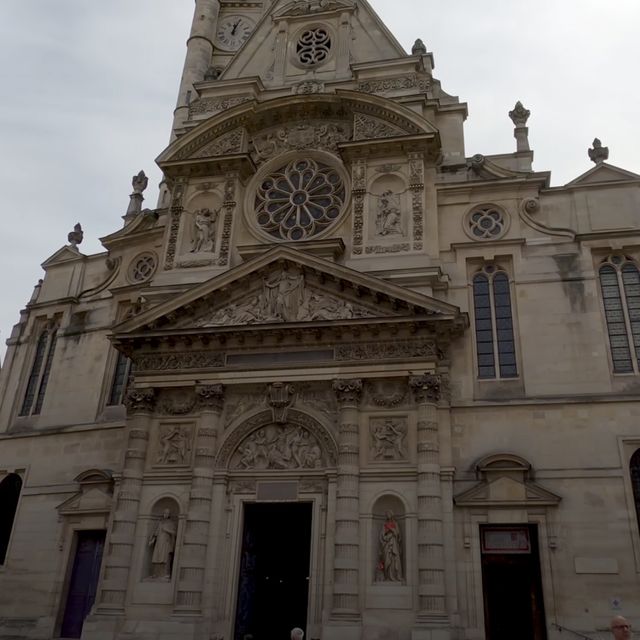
(389, 209)
(299, 442)
(389, 540)
(162, 534)
(10, 488)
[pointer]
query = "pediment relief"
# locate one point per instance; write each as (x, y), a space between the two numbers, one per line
(313, 7)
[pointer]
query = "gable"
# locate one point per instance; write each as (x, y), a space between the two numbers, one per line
(285, 286)
(603, 173)
(65, 254)
(274, 51)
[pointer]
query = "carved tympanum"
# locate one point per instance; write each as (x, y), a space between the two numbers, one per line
(279, 447)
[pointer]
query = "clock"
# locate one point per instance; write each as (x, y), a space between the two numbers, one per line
(233, 31)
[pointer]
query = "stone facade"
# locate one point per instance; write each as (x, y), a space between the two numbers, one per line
(334, 310)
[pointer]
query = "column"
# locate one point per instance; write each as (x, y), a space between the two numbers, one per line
(431, 563)
(119, 549)
(346, 567)
(193, 557)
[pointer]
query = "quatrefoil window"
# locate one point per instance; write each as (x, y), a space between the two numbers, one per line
(300, 200)
(486, 222)
(142, 267)
(313, 47)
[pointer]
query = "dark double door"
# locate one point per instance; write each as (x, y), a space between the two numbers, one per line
(273, 589)
(512, 584)
(83, 582)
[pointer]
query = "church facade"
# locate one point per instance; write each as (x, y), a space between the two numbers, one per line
(343, 377)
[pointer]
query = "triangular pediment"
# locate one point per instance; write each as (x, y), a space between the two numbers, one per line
(95, 494)
(285, 286)
(369, 40)
(603, 173)
(67, 253)
(505, 491)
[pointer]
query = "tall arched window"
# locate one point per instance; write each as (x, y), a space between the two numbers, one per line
(495, 342)
(120, 379)
(9, 493)
(620, 285)
(39, 376)
(634, 470)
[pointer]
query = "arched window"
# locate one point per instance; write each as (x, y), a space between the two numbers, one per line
(120, 379)
(9, 493)
(39, 376)
(634, 470)
(620, 285)
(495, 343)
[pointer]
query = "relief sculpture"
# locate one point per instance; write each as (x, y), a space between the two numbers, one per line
(274, 447)
(175, 446)
(388, 439)
(204, 232)
(388, 220)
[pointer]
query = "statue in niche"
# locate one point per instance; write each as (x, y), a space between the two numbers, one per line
(388, 216)
(390, 550)
(204, 239)
(388, 439)
(174, 446)
(163, 543)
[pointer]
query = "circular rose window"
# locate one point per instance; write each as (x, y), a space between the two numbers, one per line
(300, 200)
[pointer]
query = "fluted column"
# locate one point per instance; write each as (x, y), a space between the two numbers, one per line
(193, 557)
(346, 567)
(431, 563)
(119, 551)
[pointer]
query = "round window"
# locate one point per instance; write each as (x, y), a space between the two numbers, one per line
(142, 267)
(486, 222)
(299, 200)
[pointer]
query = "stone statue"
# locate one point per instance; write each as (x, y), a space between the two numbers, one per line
(204, 230)
(75, 237)
(387, 440)
(284, 294)
(174, 447)
(163, 542)
(390, 563)
(388, 218)
(598, 153)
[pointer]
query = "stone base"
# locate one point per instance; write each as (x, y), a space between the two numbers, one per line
(100, 627)
(342, 630)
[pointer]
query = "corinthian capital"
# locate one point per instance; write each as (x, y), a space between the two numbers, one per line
(348, 391)
(140, 400)
(210, 396)
(426, 388)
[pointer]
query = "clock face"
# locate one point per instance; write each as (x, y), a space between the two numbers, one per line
(233, 31)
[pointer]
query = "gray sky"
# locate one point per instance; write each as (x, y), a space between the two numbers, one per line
(87, 91)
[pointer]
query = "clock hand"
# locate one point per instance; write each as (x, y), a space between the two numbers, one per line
(235, 27)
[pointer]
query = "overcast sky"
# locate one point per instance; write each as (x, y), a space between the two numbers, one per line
(87, 90)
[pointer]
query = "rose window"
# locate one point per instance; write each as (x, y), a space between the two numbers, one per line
(313, 46)
(485, 223)
(300, 200)
(142, 268)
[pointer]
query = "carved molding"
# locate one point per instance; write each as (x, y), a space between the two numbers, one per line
(426, 388)
(405, 349)
(172, 361)
(368, 127)
(215, 105)
(228, 143)
(399, 83)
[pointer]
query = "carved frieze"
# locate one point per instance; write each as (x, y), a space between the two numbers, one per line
(215, 105)
(174, 445)
(306, 7)
(391, 248)
(370, 128)
(388, 439)
(279, 447)
(173, 361)
(301, 135)
(225, 144)
(399, 83)
(406, 349)
(308, 87)
(386, 393)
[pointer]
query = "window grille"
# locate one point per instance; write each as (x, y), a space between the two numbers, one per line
(620, 286)
(495, 342)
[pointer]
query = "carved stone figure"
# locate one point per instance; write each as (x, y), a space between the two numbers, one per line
(598, 153)
(390, 549)
(388, 217)
(387, 439)
(174, 446)
(284, 293)
(204, 230)
(275, 447)
(163, 543)
(75, 237)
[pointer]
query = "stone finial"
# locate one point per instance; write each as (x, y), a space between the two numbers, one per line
(519, 115)
(139, 183)
(419, 48)
(598, 153)
(75, 237)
